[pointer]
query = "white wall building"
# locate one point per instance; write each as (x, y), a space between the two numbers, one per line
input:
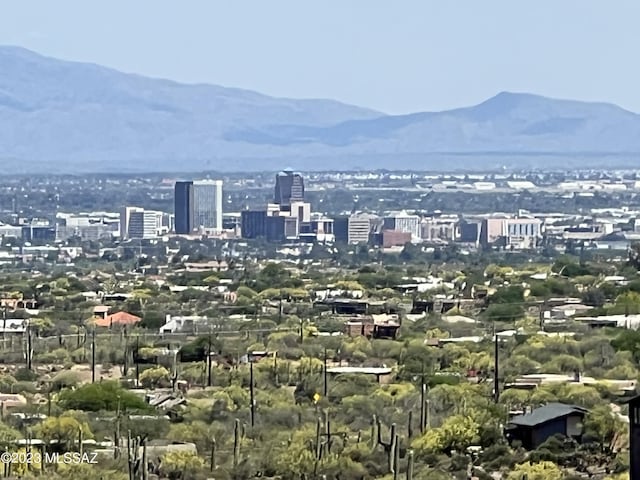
(207, 205)
(404, 222)
(359, 227)
(443, 228)
(138, 223)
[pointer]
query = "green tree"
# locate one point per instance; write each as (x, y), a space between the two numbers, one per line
(181, 465)
(603, 425)
(8, 435)
(95, 397)
(536, 471)
(197, 432)
(456, 433)
(511, 294)
(154, 377)
(64, 430)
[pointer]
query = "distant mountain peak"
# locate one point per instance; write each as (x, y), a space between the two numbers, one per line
(66, 116)
(507, 99)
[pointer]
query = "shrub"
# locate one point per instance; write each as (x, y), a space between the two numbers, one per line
(101, 396)
(25, 375)
(6, 382)
(64, 380)
(24, 387)
(59, 355)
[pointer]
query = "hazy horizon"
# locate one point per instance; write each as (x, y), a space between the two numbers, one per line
(394, 58)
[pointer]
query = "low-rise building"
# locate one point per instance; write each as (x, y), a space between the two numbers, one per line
(536, 427)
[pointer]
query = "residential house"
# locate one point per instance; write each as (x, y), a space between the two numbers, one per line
(536, 427)
(373, 326)
(13, 326)
(383, 374)
(120, 319)
(183, 324)
(13, 303)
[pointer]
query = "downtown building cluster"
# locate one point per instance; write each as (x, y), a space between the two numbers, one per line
(289, 217)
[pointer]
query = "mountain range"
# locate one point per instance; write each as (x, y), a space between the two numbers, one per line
(69, 117)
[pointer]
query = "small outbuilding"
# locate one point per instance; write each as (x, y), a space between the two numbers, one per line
(536, 427)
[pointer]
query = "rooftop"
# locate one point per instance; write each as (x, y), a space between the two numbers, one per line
(118, 318)
(363, 370)
(545, 414)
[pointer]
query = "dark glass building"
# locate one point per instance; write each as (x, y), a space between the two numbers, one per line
(253, 223)
(289, 188)
(341, 229)
(183, 197)
(39, 234)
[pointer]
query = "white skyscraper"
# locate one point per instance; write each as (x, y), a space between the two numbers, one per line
(125, 215)
(136, 222)
(404, 222)
(207, 205)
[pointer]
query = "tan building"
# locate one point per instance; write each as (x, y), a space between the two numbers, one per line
(517, 233)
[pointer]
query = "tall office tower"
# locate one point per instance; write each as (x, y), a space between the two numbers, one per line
(359, 227)
(143, 224)
(289, 188)
(403, 222)
(125, 216)
(183, 198)
(136, 222)
(207, 205)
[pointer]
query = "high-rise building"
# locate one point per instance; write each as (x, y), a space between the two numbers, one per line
(440, 228)
(403, 222)
(142, 224)
(360, 227)
(253, 223)
(136, 222)
(125, 219)
(183, 199)
(198, 206)
(207, 205)
(519, 233)
(289, 188)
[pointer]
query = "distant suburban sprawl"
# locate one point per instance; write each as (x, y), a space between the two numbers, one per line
(343, 325)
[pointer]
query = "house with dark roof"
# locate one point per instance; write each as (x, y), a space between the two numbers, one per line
(536, 427)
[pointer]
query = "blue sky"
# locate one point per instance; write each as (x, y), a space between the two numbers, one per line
(394, 56)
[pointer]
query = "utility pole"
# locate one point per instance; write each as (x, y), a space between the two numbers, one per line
(125, 366)
(324, 369)
(29, 352)
(423, 394)
(136, 360)
(4, 323)
(496, 375)
(209, 362)
(252, 394)
(78, 333)
(542, 310)
(93, 356)
(301, 331)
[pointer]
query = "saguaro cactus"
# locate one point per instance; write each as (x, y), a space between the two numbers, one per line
(328, 431)
(374, 433)
(391, 448)
(213, 454)
(410, 465)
